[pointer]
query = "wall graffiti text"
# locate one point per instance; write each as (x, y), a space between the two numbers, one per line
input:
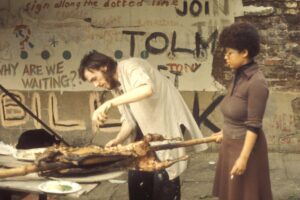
(199, 51)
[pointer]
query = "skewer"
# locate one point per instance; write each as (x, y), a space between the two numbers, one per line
(178, 144)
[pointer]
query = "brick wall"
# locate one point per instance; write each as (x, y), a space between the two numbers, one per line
(279, 27)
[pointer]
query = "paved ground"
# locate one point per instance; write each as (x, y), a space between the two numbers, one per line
(197, 180)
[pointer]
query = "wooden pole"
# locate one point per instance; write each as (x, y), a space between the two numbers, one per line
(18, 171)
(31, 168)
(178, 144)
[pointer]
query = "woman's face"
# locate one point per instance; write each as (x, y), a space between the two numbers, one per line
(234, 58)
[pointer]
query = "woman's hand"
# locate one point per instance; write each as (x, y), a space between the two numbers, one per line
(219, 136)
(240, 164)
(239, 167)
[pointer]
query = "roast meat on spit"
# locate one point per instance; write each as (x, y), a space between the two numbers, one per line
(69, 161)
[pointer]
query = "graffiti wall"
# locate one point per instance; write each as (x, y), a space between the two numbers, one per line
(45, 40)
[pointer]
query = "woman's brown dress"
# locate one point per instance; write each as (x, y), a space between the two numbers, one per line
(242, 108)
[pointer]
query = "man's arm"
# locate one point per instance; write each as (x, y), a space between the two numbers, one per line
(134, 95)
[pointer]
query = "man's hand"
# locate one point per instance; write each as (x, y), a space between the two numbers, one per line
(113, 142)
(100, 114)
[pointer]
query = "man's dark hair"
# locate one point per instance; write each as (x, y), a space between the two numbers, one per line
(241, 36)
(95, 60)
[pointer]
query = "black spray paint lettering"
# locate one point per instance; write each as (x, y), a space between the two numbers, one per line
(203, 118)
(201, 45)
(199, 51)
(154, 36)
(195, 8)
(132, 40)
(8, 69)
(176, 80)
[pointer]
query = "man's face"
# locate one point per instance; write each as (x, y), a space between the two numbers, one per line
(100, 79)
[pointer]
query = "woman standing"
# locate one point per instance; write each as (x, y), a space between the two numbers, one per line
(243, 171)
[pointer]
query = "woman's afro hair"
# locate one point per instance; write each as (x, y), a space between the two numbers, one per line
(241, 36)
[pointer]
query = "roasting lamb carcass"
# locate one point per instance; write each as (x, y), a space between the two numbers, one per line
(95, 159)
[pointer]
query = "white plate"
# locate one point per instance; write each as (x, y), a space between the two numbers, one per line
(27, 154)
(6, 149)
(59, 187)
(117, 181)
(91, 178)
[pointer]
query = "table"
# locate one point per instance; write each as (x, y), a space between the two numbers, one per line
(30, 182)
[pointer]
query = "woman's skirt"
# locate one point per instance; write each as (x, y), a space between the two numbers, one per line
(254, 184)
